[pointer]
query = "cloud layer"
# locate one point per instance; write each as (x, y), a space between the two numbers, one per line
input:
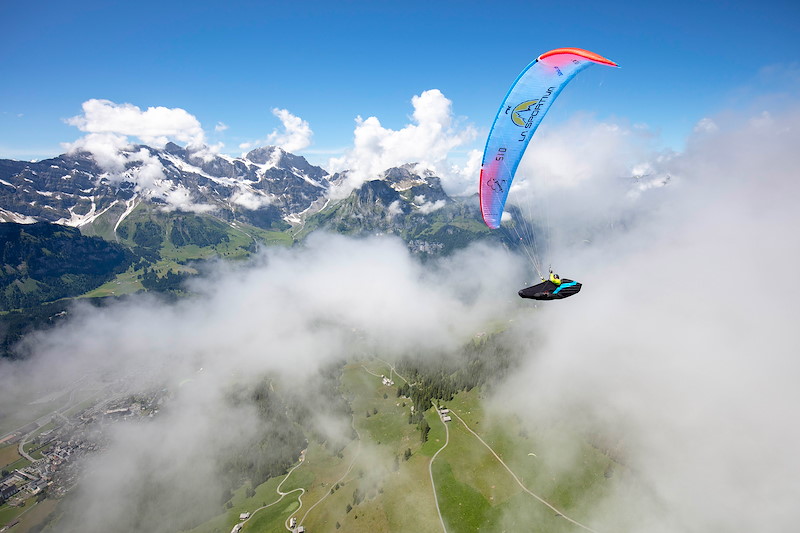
(683, 344)
(284, 316)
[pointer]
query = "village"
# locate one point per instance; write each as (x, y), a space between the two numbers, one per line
(50, 451)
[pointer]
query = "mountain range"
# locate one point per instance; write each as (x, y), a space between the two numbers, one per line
(268, 188)
(163, 210)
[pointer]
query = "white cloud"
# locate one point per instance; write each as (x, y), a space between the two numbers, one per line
(220, 127)
(295, 136)
(394, 209)
(155, 126)
(296, 133)
(105, 147)
(428, 207)
(706, 125)
(428, 141)
(580, 150)
(109, 126)
(250, 199)
(685, 350)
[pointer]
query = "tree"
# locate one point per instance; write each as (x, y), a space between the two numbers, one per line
(424, 428)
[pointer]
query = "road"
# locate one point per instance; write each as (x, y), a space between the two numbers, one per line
(302, 490)
(430, 469)
(281, 494)
(349, 469)
(542, 500)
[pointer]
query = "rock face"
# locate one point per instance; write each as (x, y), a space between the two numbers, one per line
(267, 188)
(191, 192)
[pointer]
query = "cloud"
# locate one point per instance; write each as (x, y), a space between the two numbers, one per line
(105, 147)
(109, 126)
(428, 141)
(250, 199)
(221, 127)
(296, 133)
(584, 178)
(155, 126)
(428, 207)
(685, 350)
(282, 317)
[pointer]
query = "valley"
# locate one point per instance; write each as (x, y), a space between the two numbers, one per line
(483, 468)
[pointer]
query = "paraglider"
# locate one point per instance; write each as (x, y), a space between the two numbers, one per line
(554, 288)
(521, 112)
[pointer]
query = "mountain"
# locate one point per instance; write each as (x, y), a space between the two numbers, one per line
(43, 262)
(159, 201)
(268, 188)
(163, 211)
(412, 206)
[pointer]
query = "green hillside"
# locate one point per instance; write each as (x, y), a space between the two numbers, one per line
(45, 262)
(380, 481)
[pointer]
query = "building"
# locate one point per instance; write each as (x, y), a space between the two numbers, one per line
(244, 516)
(7, 491)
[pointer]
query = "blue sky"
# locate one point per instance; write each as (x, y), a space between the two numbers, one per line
(232, 63)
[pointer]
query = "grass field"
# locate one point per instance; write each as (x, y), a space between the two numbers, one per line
(34, 515)
(386, 492)
(8, 454)
(371, 487)
(27, 514)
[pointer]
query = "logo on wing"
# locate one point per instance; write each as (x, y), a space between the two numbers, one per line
(523, 108)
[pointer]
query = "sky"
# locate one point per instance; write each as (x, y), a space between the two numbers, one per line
(249, 73)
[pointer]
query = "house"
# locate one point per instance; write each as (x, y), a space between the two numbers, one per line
(7, 491)
(446, 418)
(244, 516)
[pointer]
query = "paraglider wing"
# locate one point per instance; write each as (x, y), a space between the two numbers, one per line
(523, 108)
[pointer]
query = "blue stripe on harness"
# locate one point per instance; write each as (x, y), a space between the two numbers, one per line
(563, 285)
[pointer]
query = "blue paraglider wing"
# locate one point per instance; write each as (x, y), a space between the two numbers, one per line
(523, 108)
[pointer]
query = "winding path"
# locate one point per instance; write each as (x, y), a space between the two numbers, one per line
(430, 469)
(542, 500)
(302, 490)
(349, 468)
(519, 482)
(282, 494)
